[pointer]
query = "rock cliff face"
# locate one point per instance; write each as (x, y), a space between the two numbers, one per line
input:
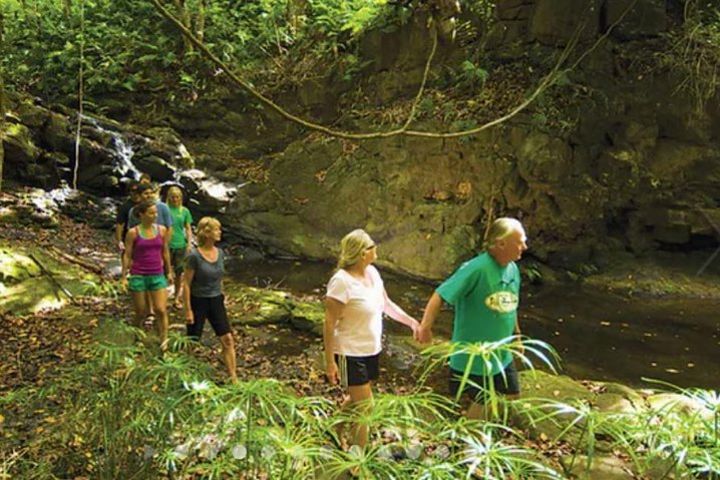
(638, 169)
(621, 160)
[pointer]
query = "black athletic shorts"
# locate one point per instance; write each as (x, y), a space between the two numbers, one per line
(212, 309)
(509, 384)
(355, 371)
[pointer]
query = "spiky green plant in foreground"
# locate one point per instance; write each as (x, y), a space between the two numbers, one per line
(134, 413)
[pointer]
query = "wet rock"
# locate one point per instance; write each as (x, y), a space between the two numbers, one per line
(166, 143)
(158, 168)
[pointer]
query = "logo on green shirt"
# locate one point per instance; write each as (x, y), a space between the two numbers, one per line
(502, 302)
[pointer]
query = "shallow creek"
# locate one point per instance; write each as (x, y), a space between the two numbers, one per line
(599, 335)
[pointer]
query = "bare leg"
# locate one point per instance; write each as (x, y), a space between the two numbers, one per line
(159, 298)
(140, 307)
(179, 287)
(361, 397)
(228, 354)
(150, 304)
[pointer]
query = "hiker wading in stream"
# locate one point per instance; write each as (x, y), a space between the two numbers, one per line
(147, 259)
(485, 293)
(203, 295)
(354, 304)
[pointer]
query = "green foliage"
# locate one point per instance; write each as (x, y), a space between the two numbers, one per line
(471, 75)
(100, 289)
(129, 48)
(130, 413)
(694, 53)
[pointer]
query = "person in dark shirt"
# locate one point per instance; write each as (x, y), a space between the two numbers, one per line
(123, 216)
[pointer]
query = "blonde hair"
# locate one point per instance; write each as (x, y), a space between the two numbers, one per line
(172, 190)
(352, 247)
(205, 227)
(501, 229)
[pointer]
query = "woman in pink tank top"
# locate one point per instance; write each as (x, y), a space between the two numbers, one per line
(147, 259)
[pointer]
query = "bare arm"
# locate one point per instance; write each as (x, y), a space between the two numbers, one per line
(118, 235)
(432, 309)
(188, 236)
(188, 275)
(393, 311)
(166, 254)
(333, 312)
(127, 257)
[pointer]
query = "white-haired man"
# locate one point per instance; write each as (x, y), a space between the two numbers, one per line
(485, 293)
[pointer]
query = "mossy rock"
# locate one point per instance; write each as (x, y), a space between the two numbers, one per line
(630, 394)
(541, 390)
(25, 289)
(614, 403)
(308, 316)
(538, 384)
(258, 306)
(16, 267)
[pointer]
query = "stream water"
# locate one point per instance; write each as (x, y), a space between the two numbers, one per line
(599, 336)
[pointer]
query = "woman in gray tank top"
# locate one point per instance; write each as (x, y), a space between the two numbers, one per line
(203, 296)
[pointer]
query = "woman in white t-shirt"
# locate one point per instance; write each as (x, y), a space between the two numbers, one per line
(354, 304)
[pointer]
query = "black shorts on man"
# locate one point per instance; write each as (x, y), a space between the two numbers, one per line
(476, 386)
(356, 371)
(212, 309)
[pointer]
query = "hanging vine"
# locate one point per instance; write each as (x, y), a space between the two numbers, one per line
(81, 86)
(544, 84)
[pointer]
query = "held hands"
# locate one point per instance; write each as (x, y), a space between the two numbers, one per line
(423, 334)
(121, 246)
(171, 278)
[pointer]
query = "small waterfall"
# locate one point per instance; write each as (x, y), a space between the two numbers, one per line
(121, 147)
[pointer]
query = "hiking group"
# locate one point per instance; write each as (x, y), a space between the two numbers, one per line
(156, 242)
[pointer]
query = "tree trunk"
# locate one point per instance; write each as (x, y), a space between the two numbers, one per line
(3, 101)
(185, 18)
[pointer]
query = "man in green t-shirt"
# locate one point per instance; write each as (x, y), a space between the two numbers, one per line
(484, 292)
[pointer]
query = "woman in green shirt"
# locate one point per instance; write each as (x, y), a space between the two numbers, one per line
(181, 240)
